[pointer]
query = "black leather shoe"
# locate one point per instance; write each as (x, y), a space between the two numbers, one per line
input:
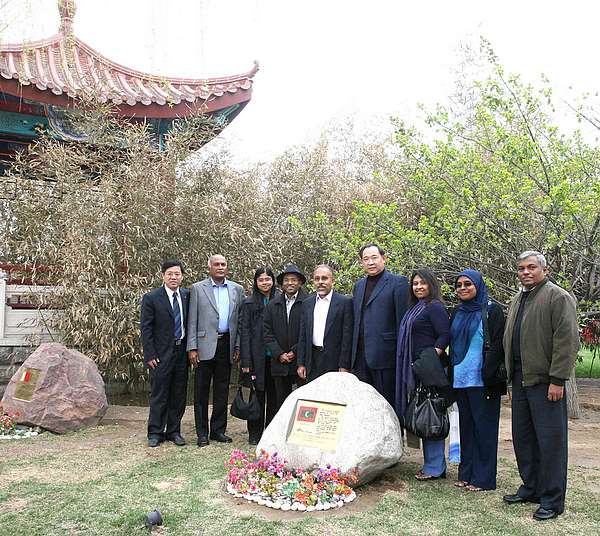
(202, 441)
(153, 441)
(541, 514)
(253, 441)
(221, 438)
(177, 439)
(516, 499)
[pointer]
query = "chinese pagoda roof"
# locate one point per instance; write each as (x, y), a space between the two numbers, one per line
(61, 68)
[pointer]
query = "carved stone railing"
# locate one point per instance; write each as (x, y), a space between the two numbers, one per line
(22, 321)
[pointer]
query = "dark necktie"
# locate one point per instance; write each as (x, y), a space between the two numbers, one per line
(177, 317)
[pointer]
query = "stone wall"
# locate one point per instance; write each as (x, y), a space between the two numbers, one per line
(11, 358)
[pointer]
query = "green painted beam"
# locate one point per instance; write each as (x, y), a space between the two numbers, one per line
(30, 126)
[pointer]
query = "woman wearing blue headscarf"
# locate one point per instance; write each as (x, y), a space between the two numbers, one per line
(479, 379)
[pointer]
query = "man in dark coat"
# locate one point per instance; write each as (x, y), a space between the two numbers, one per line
(325, 329)
(282, 328)
(163, 321)
(380, 301)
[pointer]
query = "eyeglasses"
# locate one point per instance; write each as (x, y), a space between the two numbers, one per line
(464, 284)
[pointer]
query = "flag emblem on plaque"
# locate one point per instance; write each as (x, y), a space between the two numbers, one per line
(307, 413)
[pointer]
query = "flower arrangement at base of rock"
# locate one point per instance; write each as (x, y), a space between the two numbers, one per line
(9, 429)
(266, 480)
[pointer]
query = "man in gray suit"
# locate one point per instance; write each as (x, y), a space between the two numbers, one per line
(213, 345)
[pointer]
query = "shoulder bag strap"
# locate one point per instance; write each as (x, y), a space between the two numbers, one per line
(486, 328)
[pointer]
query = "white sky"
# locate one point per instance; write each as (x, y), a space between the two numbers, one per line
(327, 58)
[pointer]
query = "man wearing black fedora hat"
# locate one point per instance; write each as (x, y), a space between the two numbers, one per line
(282, 328)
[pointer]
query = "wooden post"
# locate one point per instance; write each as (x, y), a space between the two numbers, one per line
(2, 304)
(573, 409)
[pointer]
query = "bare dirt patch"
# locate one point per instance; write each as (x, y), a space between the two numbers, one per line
(14, 505)
(172, 484)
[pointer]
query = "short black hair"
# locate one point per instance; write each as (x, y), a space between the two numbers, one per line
(435, 292)
(370, 245)
(170, 263)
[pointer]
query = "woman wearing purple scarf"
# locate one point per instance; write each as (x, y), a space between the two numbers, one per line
(477, 379)
(425, 325)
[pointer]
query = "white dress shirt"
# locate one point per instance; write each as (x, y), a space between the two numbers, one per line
(320, 318)
(170, 295)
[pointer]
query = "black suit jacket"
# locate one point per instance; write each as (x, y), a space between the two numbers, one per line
(337, 341)
(281, 335)
(157, 323)
(381, 317)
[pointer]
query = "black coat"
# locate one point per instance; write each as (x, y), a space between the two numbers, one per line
(281, 335)
(337, 341)
(252, 342)
(494, 387)
(157, 325)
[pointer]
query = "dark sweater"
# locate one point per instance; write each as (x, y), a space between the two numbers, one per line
(431, 328)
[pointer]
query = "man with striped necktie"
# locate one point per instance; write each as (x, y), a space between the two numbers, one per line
(163, 321)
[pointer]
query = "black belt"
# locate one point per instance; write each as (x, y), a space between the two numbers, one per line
(178, 342)
(221, 335)
(317, 348)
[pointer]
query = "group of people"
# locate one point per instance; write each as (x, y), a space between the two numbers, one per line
(283, 338)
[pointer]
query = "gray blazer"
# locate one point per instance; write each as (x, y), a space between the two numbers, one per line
(203, 319)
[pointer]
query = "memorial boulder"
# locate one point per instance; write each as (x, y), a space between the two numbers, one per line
(336, 420)
(58, 389)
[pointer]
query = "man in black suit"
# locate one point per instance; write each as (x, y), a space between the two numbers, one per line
(325, 340)
(163, 320)
(281, 330)
(380, 301)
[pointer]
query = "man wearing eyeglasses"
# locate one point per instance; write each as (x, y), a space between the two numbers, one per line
(163, 319)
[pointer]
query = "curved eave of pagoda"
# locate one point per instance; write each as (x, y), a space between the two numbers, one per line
(133, 93)
(153, 110)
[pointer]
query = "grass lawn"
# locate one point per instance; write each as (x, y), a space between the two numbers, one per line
(584, 365)
(104, 480)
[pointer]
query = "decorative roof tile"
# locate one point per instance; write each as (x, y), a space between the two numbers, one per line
(67, 67)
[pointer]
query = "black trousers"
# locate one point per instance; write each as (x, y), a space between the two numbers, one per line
(384, 380)
(268, 396)
(479, 421)
(216, 370)
(283, 387)
(539, 431)
(168, 390)
(318, 366)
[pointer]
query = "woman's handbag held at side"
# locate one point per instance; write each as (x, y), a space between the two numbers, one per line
(246, 410)
(426, 415)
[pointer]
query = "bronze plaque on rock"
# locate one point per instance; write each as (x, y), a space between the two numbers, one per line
(27, 384)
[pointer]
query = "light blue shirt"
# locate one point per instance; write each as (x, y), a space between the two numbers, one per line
(222, 298)
(468, 372)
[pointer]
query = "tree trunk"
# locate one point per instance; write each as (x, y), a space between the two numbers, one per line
(572, 399)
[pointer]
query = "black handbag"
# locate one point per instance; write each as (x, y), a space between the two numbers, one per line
(246, 410)
(429, 370)
(426, 416)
